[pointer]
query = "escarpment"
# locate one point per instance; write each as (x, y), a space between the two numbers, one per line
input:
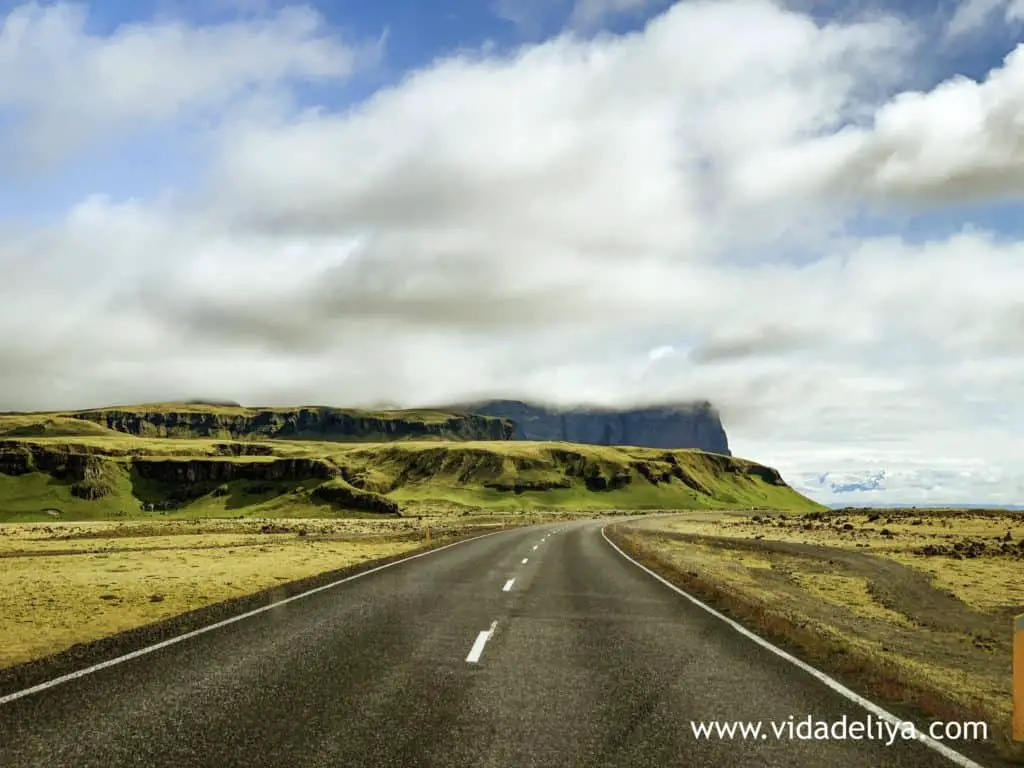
(688, 425)
(306, 423)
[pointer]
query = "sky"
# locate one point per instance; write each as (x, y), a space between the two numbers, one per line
(805, 212)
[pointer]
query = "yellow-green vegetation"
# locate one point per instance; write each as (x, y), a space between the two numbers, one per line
(917, 604)
(232, 422)
(50, 425)
(68, 583)
(565, 475)
(94, 477)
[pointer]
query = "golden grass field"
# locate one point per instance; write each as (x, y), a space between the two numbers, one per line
(917, 605)
(68, 583)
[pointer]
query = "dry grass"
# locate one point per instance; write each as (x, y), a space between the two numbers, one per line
(988, 582)
(68, 583)
(851, 593)
(891, 601)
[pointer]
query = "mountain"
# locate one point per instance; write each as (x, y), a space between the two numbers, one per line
(123, 476)
(687, 425)
(233, 422)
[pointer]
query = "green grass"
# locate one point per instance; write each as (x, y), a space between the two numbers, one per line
(37, 425)
(25, 498)
(514, 475)
(422, 414)
(429, 415)
(511, 476)
(228, 422)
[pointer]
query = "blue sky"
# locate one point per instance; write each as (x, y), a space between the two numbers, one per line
(415, 34)
(805, 212)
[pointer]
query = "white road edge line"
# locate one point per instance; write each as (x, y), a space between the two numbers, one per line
(196, 632)
(478, 645)
(835, 685)
(508, 585)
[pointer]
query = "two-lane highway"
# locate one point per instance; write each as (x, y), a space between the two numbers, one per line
(541, 646)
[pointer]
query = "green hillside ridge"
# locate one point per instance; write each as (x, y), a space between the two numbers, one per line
(230, 422)
(95, 477)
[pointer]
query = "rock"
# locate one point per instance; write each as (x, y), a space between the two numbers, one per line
(274, 528)
(340, 494)
(311, 423)
(693, 425)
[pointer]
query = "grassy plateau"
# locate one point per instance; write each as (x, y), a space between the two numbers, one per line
(71, 468)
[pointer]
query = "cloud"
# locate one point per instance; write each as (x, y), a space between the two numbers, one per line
(852, 483)
(667, 214)
(589, 13)
(973, 15)
(531, 17)
(62, 86)
(594, 148)
(961, 141)
(528, 16)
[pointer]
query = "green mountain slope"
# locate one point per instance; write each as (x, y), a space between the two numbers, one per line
(93, 477)
(229, 422)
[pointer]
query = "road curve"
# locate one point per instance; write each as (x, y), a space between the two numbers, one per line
(538, 646)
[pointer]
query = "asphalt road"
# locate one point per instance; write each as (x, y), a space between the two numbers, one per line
(583, 660)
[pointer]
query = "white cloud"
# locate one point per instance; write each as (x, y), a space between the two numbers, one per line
(597, 148)
(960, 141)
(527, 15)
(612, 220)
(531, 16)
(61, 85)
(589, 13)
(971, 16)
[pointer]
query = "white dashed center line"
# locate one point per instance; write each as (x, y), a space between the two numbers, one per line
(478, 647)
(535, 547)
(525, 559)
(508, 585)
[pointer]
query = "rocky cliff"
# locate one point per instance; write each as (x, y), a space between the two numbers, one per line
(90, 480)
(168, 483)
(692, 425)
(306, 423)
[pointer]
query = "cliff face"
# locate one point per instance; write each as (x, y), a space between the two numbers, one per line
(694, 425)
(167, 483)
(331, 424)
(86, 481)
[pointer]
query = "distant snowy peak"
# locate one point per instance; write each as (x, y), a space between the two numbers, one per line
(850, 482)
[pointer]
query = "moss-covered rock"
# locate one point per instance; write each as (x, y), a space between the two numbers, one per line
(308, 423)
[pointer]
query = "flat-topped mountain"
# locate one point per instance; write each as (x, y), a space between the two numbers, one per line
(686, 425)
(233, 422)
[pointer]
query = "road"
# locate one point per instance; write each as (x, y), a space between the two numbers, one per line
(540, 646)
